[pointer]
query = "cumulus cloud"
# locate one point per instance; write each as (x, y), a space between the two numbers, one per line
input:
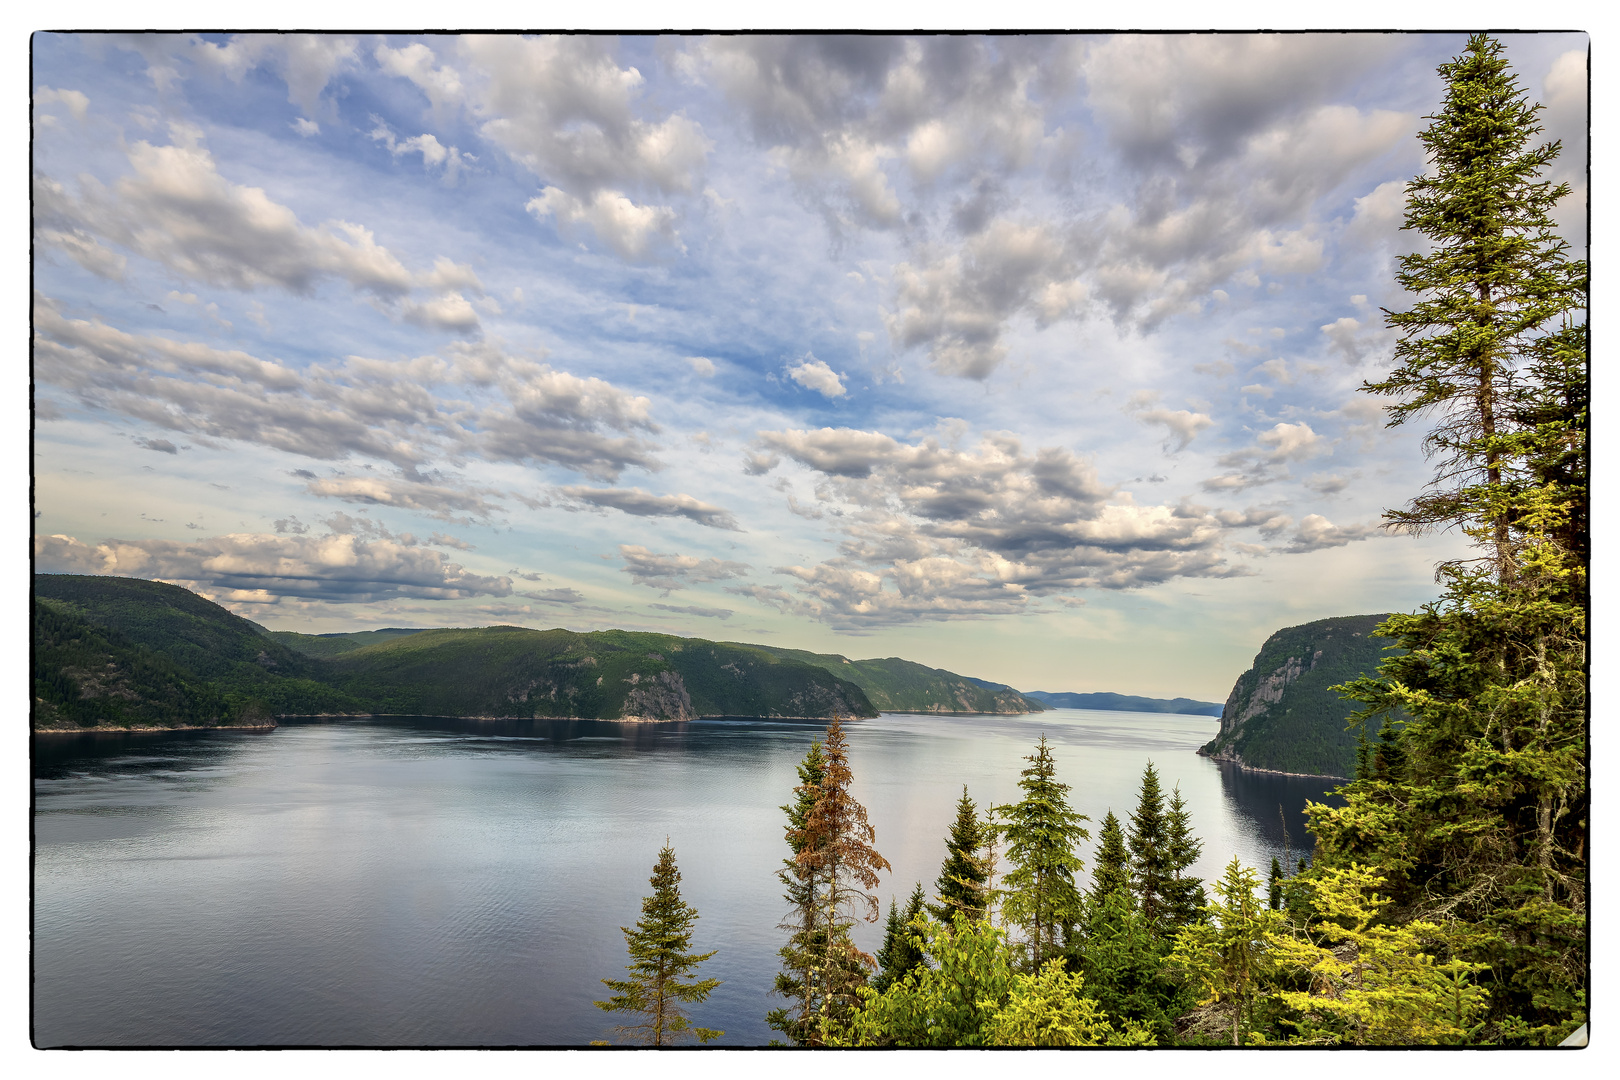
(476, 399)
(702, 366)
(645, 504)
(434, 153)
(1182, 425)
(933, 531)
(1317, 532)
(670, 572)
(437, 500)
(176, 209)
(958, 303)
(813, 374)
(1266, 460)
(306, 62)
(630, 230)
(564, 109)
(77, 103)
(259, 568)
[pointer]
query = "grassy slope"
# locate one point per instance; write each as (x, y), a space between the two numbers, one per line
(896, 685)
(1305, 731)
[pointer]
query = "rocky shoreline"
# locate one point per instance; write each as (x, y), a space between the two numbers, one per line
(1227, 758)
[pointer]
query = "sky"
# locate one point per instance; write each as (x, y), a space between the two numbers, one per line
(1035, 359)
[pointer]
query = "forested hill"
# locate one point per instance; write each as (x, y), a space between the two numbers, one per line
(1125, 703)
(896, 685)
(1281, 714)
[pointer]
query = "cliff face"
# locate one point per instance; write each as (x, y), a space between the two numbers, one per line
(1281, 714)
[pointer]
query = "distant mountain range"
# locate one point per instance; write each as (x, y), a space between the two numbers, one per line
(115, 652)
(1281, 715)
(1126, 703)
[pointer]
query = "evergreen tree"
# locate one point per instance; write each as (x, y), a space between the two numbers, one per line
(900, 953)
(660, 948)
(1231, 957)
(963, 879)
(799, 955)
(1183, 893)
(834, 849)
(1149, 843)
(1275, 895)
(1040, 895)
(1110, 871)
(1476, 808)
(1124, 964)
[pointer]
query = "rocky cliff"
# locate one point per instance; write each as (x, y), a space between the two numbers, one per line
(1282, 715)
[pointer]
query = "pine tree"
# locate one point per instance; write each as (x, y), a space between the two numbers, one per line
(1275, 894)
(1149, 843)
(1184, 893)
(1476, 806)
(899, 954)
(963, 879)
(1109, 869)
(834, 850)
(660, 948)
(1040, 895)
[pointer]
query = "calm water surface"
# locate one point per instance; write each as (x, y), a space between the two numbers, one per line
(422, 881)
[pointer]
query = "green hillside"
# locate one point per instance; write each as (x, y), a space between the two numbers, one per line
(122, 652)
(1126, 703)
(1281, 714)
(323, 646)
(895, 685)
(221, 656)
(610, 674)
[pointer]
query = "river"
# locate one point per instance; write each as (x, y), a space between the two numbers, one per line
(427, 881)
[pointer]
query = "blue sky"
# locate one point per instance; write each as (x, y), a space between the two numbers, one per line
(1034, 359)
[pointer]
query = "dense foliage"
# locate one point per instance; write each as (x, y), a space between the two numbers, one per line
(895, 685)
(1474, 809)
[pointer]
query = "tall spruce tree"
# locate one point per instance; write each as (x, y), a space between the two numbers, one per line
(1476, 806)
(1040, 896)
(1110, 863)
(963, 879)
(795, 981)
(662, 963)
(834, 849)
(1149, 843)
(1184, 893)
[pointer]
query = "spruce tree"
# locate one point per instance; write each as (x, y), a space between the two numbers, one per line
(662, 961)
(1476, 807)
(900, 954)
(1040, 896)
(963, 879)
(794, 981)
(1110, 871)
(834, 851)
(1149, 842)
(1275, 893)
(1184, 893)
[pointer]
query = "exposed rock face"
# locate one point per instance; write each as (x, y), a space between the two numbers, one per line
(1282, 714)
(660, 697)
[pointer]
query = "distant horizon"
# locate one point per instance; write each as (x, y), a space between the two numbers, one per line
(1031, 359)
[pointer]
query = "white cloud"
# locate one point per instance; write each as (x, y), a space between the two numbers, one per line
(305, 127)
(813, 374)
(628, 229)
(641, 503)
(702, 366)
(77, 103)
(258, 568)
(670, 572)
(1317, 532)
(1182, 425)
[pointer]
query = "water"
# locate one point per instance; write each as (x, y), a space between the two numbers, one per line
(442, 882)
